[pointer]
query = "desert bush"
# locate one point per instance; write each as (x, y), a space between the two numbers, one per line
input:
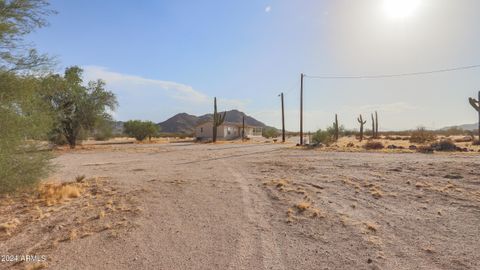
(421, 135)
(270, 132)
(140, 130)
(445, 145)
(373, 145)
(322, 136)
(476, 142)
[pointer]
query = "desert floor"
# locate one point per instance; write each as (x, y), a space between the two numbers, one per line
(257, 206)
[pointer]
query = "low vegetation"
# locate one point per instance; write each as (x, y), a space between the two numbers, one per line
(422, 135)
(322, 137)
(445, 145)
(141, 130)
(373, 145)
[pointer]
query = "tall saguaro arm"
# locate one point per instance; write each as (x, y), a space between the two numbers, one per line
(362, 123)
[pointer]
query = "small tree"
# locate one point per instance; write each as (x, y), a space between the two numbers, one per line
(77, 108)
(140, 130)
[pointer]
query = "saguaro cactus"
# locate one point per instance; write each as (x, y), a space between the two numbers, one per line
(218, 119)
(476, 105)
(362, 123)
(335, 128)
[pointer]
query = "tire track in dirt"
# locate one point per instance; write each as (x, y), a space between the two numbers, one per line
(252, 205)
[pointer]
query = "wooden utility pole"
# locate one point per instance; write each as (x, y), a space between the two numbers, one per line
(243, 128)
(301, 108)
(283, 118)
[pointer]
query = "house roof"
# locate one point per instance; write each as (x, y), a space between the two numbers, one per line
(228, 124)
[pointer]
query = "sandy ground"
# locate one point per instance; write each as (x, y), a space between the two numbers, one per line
(270, 206)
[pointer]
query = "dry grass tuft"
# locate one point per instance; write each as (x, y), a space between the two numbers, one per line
(315, 212)
(73, 235)
(421, 185)
(101, 215)
(36, 266)
(54, 193)
(371, 227)
(302, 206)
(376, 192)
(10, 226)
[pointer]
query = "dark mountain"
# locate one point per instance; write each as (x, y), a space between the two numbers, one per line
(180, 123)
(185, 123)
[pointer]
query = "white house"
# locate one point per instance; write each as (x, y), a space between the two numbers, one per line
(226, 131)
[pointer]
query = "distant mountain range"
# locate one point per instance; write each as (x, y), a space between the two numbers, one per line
(185, 123)
(470, 127)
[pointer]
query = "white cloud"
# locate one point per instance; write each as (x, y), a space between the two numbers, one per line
(268, 9)
(131, 82)
(143, 98)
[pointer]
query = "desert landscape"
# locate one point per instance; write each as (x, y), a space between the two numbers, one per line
(257, 205)
(249, 135)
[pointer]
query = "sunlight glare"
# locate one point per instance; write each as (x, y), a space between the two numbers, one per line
(400, 8)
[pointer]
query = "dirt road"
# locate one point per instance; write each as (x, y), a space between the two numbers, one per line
(268, 206)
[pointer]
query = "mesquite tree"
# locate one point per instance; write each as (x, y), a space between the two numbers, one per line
(362, 123)
(76, 108)
(476, 105)
(218, 119)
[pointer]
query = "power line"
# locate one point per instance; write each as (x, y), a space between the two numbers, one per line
(395, 75)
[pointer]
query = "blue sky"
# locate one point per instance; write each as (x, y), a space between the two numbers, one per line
(167, 57)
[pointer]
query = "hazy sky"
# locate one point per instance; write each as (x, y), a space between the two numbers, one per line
(166, 57)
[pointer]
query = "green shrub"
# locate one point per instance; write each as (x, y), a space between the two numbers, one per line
(140, 130)
(103, 131)
(421, 135)
(270, 132)
(322, 136)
